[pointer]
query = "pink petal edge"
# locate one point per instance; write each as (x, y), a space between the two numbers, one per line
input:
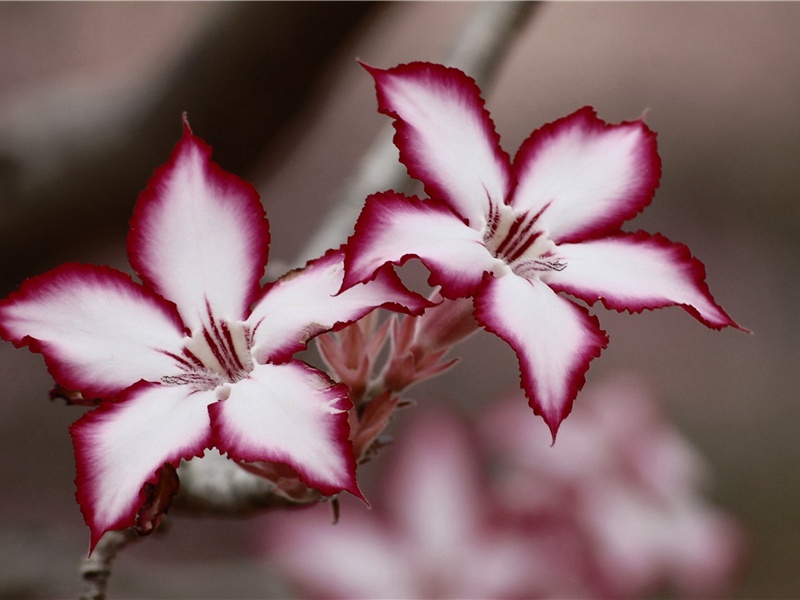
(199, 235)
(306, 302)
(151, 423)
(591, 175)
(554, 323)
(98, 330)
(259, 422)
(393, 228)
(445, 135)
(620, 270)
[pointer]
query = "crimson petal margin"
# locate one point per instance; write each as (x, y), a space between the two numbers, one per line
(590, 176)
(393, 228)
(98, 330)
(445, 135)
(554, 339)
(304, 303)
(199, 235)
(291, 414)
(121, 445)
(637, 271)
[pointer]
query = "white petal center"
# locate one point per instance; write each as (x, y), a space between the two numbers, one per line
(516, 239)
(216, 355)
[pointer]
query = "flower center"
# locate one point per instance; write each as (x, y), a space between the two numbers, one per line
(215, 355)
(515, 239)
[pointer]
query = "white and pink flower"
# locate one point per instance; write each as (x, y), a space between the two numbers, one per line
(627, 486)
(513, 235)
(434, 531)
(615, 509)
(197, 355)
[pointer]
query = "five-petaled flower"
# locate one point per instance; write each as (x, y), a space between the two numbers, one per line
(182, 361)
(513, 234)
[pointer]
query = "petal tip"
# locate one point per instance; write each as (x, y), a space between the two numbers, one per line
(187, 129)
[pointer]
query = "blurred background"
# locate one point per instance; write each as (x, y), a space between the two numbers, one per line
(91, 96)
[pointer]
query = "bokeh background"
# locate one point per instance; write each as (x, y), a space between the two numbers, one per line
(90, 101)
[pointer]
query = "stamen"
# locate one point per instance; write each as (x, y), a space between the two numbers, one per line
(535, 266)
(202, 380)
(216, 354)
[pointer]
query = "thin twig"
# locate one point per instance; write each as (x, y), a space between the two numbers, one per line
(478, 50)
(96, 568)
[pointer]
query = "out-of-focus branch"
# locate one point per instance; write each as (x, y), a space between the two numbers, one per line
(241, 81)
(96, 568)
(478, 50)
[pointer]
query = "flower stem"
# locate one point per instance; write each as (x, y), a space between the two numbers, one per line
(96, 568)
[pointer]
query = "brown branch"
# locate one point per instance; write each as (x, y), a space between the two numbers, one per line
(96, 568)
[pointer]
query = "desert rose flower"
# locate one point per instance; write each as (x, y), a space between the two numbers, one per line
(515, 235)
(197, 355)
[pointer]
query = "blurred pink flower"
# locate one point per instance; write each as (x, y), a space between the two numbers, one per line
(627, 484)
(613, 509)
(432, 533)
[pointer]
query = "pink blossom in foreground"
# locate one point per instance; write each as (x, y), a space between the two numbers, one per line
(627, 485)
(514, 234)
(614, 510)
(182, 361)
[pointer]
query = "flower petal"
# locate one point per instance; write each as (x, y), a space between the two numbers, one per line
(290, 414)
(637, 271)
(393, 228)
(586, 177)
(304, 303)
(445, 136)
(432, 476)
(198, 235)
(554, 339)
(98, 330)
(120, 446)
(330, 561)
